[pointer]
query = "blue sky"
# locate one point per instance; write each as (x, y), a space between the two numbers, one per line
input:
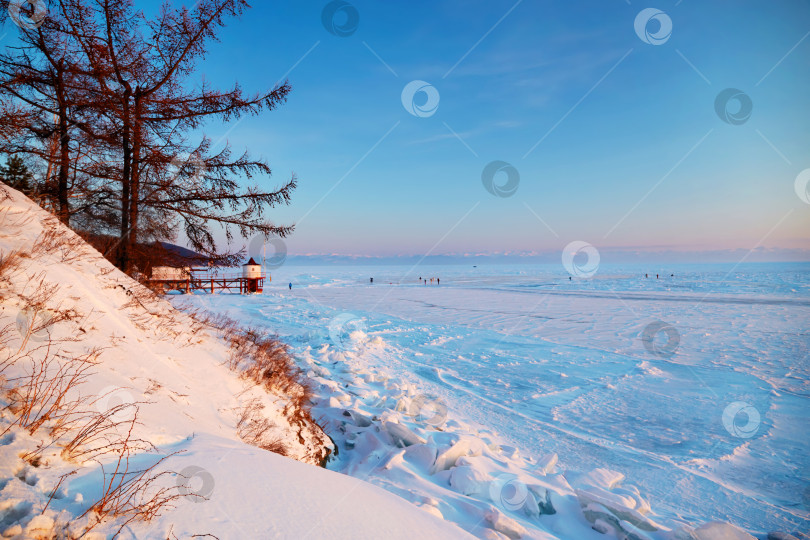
(633, 155)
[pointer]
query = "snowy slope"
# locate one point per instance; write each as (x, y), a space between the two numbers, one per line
(161, 379)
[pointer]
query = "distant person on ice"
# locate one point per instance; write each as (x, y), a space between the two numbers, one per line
(291, 285)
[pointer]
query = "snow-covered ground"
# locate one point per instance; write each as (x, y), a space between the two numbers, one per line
(666, 403)
(505, 403)
(149, 384)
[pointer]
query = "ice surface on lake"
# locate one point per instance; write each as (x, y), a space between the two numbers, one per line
(707, 412)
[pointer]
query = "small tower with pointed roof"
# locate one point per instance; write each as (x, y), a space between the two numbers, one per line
(252, 272)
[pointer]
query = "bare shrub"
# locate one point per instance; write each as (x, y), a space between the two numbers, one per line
(55, 489)
(42, 393)
(132, 495)
(93, 435)
(8, 356)
(264, 360)
(254, 428)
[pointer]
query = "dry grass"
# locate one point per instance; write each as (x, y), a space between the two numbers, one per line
(13, 220)
(266, 361)
(61, 242)
(132, 495)
(46, 390)
(152, 314)
(43, 392)
(45, 378)
(10, 262)
(95, 434)
(55, 489)
(254, 428)
(145, 298)
(41, 312)
(8, 356)
(40, 397)
(40, 382)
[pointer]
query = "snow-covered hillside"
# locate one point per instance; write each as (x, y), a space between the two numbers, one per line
(117, 406)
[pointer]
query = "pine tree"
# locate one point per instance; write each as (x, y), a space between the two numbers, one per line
(108, 104)
(16, 175)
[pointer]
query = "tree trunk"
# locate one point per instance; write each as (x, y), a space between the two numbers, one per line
(53, 142)
(135, 169)
(64, 149)
(124, 248)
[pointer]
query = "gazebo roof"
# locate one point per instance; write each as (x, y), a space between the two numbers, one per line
(251, 262)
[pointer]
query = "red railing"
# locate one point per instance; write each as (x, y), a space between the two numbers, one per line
(212, 282)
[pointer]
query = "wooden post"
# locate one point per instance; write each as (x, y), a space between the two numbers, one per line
(212, 285)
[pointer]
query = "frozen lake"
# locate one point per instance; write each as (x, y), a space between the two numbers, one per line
(695, 386)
